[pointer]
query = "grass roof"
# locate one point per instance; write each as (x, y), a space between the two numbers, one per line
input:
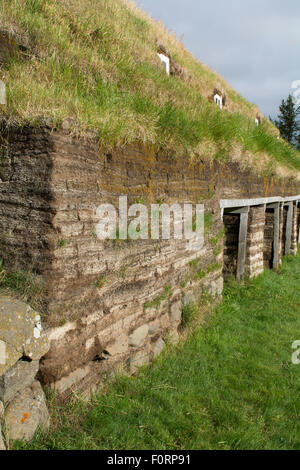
(96, 61)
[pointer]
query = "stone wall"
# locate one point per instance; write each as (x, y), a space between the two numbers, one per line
(255, 241)
(113, 303)
(295, 231)
(22, 344)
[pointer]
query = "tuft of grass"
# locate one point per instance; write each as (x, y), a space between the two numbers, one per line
(214, 267)
(189, 314)
(217, 250)
(24, 285)
(34, 5)
(96, 61)
(159, 299)
(62, 243)
(230, 386)
(194, 263)
(123, 270)
(100, 282)
(214, 240)
(200, 275)
(208, 222)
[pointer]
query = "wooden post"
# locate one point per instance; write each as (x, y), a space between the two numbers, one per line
(276, 236)
(242, 245)
(288, 231)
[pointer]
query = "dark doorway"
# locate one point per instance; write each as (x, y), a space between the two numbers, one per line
(231, 244)
(269, 238)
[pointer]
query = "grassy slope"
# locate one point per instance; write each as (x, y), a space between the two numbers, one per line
(231, 385)
(96, 61)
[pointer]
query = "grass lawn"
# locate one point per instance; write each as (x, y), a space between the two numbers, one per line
(231, 385)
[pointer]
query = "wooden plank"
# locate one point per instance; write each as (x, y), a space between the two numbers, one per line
(229, 203)
(276, 236)
(288, 232)
(242, 246)
(238, 210)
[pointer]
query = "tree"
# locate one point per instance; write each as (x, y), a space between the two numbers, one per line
(298, 141)
(298, 131)
(288, 121)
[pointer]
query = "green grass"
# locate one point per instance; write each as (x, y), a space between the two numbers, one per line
(159, 299)
(189, 314)
(24, 285)
(100, 282)
(231, 385)
(95, 61)
(62, 243)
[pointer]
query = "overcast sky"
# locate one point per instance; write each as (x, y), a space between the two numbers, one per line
(253, 44)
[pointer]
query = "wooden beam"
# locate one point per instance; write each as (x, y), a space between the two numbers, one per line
(236, 210)
(276, 236)
(288, 231)
(242, 246)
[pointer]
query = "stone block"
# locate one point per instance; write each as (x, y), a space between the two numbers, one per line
(189, 298)
(137, 338)
(163, 306)
(20, 376)
(2, 445)
(154, 327)
(173, 337)
(220, 286)
(26, 413)
(215, 288)
(140, 359)
(120, 346)
(158, 347)
(2, 353)
(165, 321)
(2, 93)
(71, 380)
(21, 333)
(1, 411)
(176, 313)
